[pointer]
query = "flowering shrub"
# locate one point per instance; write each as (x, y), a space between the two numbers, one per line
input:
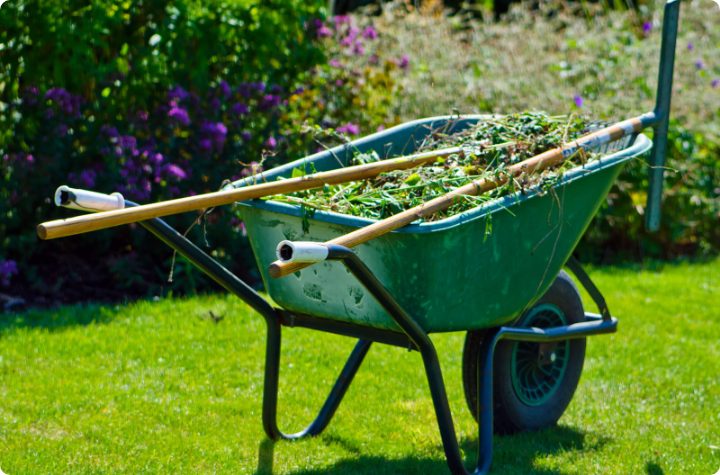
(181, 139)
(7, 270)
(603, 66)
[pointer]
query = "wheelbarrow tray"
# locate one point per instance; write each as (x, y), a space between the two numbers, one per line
(477, 269)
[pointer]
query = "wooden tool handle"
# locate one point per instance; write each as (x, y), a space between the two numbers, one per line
(535, 164)
(107, 219)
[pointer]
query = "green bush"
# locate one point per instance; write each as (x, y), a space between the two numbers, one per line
(131, 51)
(158, 102)
(690, 212)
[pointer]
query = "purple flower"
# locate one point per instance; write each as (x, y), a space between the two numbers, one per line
(180, 115)
(369, 33)
(57, 94)
(246, 135)
(335, 63)
(239, 108)
(156, 158)
(110, 131)
(30, 159)
(178, 93)
(205, 145)
(143, 116)
(220, 129)
(129, 169)
(647, 27)
(349, 128)
(224, 89)
(715, 83)
(324, 32)
(175, 171)
(341, 20)
(213, 136)
(347, 41)
(128, 142)
(146, 187)
(87, 178)
(690, 46)
(358, 48)
(245, 89)
(269, 101)
(8, 268)
(699, 64)
(404, 61)
(271, 142)
(68, 103)
(578, 99)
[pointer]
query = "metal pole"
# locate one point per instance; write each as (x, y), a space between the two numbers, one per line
(662, 112)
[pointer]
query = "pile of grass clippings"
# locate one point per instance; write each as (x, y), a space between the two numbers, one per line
(487, 149)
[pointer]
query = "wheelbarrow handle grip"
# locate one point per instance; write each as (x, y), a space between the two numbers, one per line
(301, 252)
(86, 200)
(540, 162)
(116, 217)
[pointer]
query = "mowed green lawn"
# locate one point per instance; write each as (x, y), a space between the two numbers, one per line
(159, 387)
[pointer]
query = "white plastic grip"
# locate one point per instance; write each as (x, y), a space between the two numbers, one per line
(301, 252)
(85, 200)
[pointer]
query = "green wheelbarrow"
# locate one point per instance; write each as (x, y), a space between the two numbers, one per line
(525, 322)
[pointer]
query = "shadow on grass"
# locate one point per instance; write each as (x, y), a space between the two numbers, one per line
(512, 454)
(58, 319)
(652, 468)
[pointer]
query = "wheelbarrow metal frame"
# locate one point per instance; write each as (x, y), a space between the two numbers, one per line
(412, 337)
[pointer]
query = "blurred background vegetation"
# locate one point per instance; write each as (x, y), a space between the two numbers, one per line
(159, 99)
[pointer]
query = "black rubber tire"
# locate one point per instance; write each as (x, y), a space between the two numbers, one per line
(511, 414)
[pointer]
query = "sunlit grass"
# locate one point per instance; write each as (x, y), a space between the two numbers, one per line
(160, 387)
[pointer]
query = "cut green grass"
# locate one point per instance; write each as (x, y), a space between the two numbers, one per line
(161, 387)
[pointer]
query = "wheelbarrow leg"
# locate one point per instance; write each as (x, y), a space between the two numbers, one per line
(235, 285)
(444, 417)
(272, 376)
(485, 403)
(424, 344)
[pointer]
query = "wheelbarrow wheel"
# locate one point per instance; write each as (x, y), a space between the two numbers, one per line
(533, 383)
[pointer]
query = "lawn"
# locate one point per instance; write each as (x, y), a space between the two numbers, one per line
(161, 387)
